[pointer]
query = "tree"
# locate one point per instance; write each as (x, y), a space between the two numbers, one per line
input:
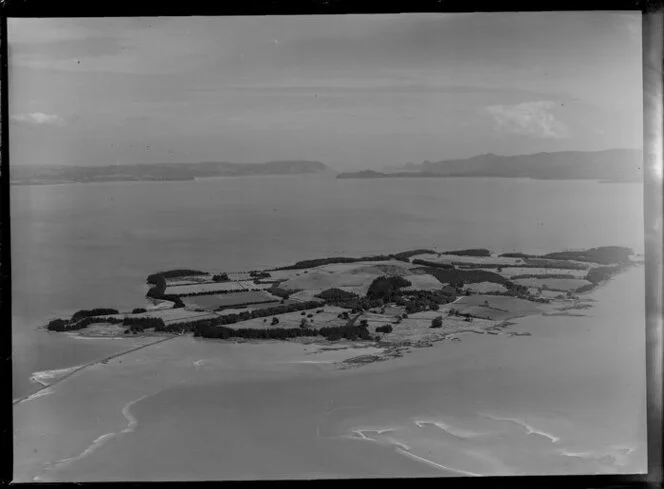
(221, 277)
(303, 323)
(275, 320)
(437, 322)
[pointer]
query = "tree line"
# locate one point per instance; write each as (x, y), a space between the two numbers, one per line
(62, 325)
(433, 264)
(456, 277)
(387, 288)
(543, 276)
(218, 292)
(209, 330)
(317, 262)
(470, 252)
(100, 311)
(158, 289)
(600, 274)
(179, 272)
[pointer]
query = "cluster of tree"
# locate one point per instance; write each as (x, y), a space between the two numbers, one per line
(384, 329)
(317, 262)
(543, 275)
(469, 252)
(259, 274)
(406, 255)
(425, 300)
(281, 292)
(552, 263)
(437, 322)
(138, 310)
(222, 332)
(600, 274)
(143, 323)
(220, 277)
(220, 292)
(266, 312)
(516, 255)
(158, 289)
(244, 304)
(585, 288)
(433, 264)
(456, 277)
(227, 319)
(349, 332)
(64, 325)
(173, 328)
(605, 255)
(467, 316)
(180, 272)
(335, 296)
(86, 313)
(386, 288)
(208, 330)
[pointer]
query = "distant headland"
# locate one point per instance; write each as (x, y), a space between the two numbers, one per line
(48, 175)
(615, 165)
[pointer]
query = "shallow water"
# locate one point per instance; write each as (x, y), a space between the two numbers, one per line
(79, 246)
(568, 399)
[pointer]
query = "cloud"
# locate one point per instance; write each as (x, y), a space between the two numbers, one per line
(528, 118)
(39, 118)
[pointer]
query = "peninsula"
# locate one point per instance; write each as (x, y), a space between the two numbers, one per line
(394, 301)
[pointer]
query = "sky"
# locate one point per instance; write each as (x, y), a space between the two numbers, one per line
(352, 91)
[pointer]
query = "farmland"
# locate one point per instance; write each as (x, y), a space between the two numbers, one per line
(560, 284)
(390, 301)
(212, 302)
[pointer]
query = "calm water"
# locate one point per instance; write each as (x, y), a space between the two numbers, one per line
(82, 245)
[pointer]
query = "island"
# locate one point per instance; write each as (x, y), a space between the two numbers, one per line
(393, 302)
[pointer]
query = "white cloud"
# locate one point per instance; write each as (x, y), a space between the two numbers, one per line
(528, 118)
(39, 118)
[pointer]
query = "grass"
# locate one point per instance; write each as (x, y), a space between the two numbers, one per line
(562, 284)
(212, 302)
(293, 319)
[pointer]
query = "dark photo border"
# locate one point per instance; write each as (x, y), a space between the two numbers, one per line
(653, 48)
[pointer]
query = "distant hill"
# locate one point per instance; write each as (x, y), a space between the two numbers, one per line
(615, 165)
(375, 174)
(36, 175)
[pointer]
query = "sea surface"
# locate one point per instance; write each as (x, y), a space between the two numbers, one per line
(78, 246)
